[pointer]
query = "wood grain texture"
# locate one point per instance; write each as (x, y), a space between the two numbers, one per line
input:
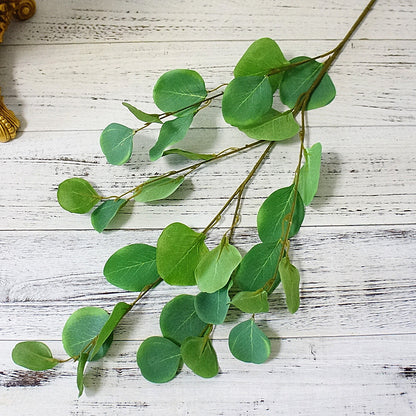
(350, 349)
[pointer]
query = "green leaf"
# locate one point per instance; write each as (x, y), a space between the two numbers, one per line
(199, 355)
(290, 281)
(77, 195)
(120, 309)
(178, 89)
(299, 79)
(81, 328)
(189, 155)
(179, 250)
(258, 267)
(117, 143)
(246, 100)
(215, 268)
(251, 302)
(309, 173)
(273, 126)
(158, 188)
(179, 320)
(171, 132)
(132, 267)
(274, 212)
(261, 57)
(158, 359)
(212, 308)
(142, 116)
(102, 216)
(33, 355)
(248, 343)
(82, 361)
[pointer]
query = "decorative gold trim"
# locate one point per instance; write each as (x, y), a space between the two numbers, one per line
(21, 10)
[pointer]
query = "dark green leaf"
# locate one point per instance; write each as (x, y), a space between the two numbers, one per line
(179, 250)
(299, 79)
(80, 372)
(261, 57)
(77, 195)
(212, 308)
(246, 100)
(158, 359)
(120, 309)
(171, 132)
(142, 116)
(179, 319)
(258, 266)
(81, 328)
(189, 155)
(290, 281)
(33, 355)
(309, 173)
(178, 89)
(215, 268)
(199, 355)
(117, 143)
(273, 215)
(273, 126)
(102, 216)
(251, 302)
(248, 343)
(132, 267)
(158, 188)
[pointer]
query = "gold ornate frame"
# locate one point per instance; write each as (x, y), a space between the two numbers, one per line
(21, 10)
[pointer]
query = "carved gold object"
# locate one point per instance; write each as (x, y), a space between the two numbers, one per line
(22, 10)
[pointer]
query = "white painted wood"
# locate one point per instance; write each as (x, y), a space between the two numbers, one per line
(306, 376)
(81, 87)
(350, 349)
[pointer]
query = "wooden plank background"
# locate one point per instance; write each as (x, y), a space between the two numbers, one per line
(351, 348)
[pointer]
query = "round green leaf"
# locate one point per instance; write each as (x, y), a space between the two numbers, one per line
(309, 173)
(77, 195)
(199, 355)
(179, 319)
(273, 126)
(251, 302)
(102, 216)
(212, 308)
(273, 214)
(246, 100)
(248, 343)
(132, 267)
(261, 57)
(299, 79)
(258, 267)
(290, 281)
(215, 268)
(179, 250)
(81, 328)
(178, 89)
(33, 355)
(158, 188)
(117, 143)
(158, 359)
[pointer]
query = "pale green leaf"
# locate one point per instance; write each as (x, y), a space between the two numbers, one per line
(309, 173)
(141, 115)
(215, 268)
(189, 155)
(82, 361)
(158, 188)
(117, 143)
(77, 195)
(199, 355)
(273, 126)
(290, 281)
(246, 100)
(179, 250)
(33, 355)
(251, 302)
